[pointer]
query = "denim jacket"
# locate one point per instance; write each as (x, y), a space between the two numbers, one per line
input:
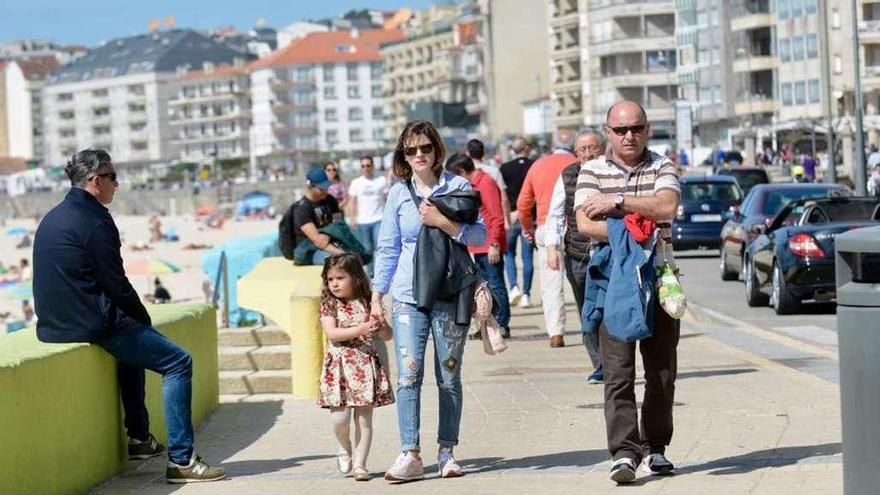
(620, 286)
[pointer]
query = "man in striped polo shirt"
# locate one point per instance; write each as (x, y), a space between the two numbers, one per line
(632, 179)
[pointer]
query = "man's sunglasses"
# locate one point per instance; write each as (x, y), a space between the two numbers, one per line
(424, 148)
(110, 175)
(367, 165)
(622, 130)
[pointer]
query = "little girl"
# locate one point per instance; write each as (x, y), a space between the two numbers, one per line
(353, 377)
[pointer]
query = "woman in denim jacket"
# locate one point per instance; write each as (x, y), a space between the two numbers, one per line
(419, 157)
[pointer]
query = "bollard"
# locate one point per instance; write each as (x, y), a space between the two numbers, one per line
(857, 268)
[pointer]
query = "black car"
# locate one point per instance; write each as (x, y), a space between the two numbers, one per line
(760, 205)
(706, 203)
(746, 177)
(793, 259)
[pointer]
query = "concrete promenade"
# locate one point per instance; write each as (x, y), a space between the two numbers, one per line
(531, 424)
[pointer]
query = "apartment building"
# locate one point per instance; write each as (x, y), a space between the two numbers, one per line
(209, 113)
(21, 113)
(869, 45)
(439, 72)
(602, 51)
(116, 97)
(319, 97)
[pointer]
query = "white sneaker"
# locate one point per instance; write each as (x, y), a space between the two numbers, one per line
(514, 295)
(406, 468)
(446, 464)
(524, 301)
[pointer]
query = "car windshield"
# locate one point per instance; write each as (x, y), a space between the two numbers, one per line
(855, 211)
(748, 178)
(776, 199)
(724, 192)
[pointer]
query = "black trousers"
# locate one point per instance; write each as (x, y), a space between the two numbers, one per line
(576, 273)
(625, 438)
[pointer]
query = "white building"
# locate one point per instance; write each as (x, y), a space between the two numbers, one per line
(116, 97)
(319, 97)
(21, 126)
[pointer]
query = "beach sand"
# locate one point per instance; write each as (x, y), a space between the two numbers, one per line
(185, 285)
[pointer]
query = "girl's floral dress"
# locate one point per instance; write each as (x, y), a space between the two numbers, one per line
(353, 374)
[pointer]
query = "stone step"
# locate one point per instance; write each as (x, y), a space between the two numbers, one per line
(252, 336)
(244, 382)
(270, 357)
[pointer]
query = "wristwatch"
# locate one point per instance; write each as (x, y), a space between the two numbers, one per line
(618, 201)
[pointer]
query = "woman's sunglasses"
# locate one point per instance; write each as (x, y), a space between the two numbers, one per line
(424, 148)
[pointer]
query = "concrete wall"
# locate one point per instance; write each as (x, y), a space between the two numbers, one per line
(60, 411)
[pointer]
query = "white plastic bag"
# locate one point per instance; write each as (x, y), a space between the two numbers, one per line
(669, 291)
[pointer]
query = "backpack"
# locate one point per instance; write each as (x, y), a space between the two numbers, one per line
(286, 238)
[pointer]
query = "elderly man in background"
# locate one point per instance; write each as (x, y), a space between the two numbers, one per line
(81, 294)
(632, 179)
(537, 190)
(562, 226)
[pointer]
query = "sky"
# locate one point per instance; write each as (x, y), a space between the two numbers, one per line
(88, 22)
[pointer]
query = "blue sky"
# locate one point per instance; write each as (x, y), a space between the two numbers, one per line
(89, 22)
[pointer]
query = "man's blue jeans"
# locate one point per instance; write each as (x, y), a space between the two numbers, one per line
(494, 276)
(137, 347)
(411, 330)
(514, 234)
(368, 233)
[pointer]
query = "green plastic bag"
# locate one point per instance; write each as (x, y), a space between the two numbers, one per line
(669, 290)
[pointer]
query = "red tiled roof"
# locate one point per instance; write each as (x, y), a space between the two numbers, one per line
(327, 46)
(218, 71)
(37, 68)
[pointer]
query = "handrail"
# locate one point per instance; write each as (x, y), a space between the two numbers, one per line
(222, 272)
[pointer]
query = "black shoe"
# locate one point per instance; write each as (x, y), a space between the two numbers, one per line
(657, 465)
(505, 332)
(623, 470)
(138, 451)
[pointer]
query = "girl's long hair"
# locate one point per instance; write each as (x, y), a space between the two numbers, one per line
(351, 264)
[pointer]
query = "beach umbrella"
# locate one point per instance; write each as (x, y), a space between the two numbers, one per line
(150, 266)
(16, 231)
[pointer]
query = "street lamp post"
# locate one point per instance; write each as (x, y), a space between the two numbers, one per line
(831, 173)
(859, 172)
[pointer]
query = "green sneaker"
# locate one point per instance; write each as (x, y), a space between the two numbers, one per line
(138, 451)
(197, 471)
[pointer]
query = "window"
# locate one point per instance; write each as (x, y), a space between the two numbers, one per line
(137, 107)
(351, 71)
(810, 6)
(812, 45)
(785, 49)
(101, 111)
(302, 74)
(303, 119)
(377, 113)
(331, 136)
(378, 134)
(101, 130)
(330, 92)
(68, 133)
(355, 113)
(376, 90)
(99, 93)
(302, 97)
(797, 48)
(65, 97)
(376, 71)
(786, 94)
(797, 8)
(137, 89)
(813, 90)
(800, 93)
(355, 136)
(139, 145)
(838, 64)
(67, 115)
(137, 126)
(330, 115)
(353, 91)
(782, 9)
(328, 73)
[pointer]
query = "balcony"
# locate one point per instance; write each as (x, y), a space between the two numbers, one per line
(564, 51)
(646, 78)
(750, 15)
(210, 137)
(282, 129)
(754, 63)
(285, 106)
(869, 31)
(287, 84)
(624, 44)
(565, 19)
(181, 99)
(601, 10)
(749, 104)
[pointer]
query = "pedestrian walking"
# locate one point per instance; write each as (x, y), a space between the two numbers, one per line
(809, 164)
(366, 202)
(476, 150)
(874, 182)
(537, 191)
(81, 294)
(417, 309)
(488, 256)
(632, 179)
(514, 173)
(353, 379)
(589, 145)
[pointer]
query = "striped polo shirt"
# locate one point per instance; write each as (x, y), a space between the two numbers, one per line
(602, 176)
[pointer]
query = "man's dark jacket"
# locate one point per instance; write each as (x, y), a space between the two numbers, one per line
(443, 270)
(80, 287)
(576, 245)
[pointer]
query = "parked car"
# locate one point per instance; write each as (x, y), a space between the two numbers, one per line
(706, 203)
(760, 205)
(746, 177)
(793, 259)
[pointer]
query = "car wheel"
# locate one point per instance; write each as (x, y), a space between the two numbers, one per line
(782, 301)
(726, 272)
(754, 297)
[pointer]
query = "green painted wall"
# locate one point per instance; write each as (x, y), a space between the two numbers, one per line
(60, 414)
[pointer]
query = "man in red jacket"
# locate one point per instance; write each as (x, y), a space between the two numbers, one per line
(488, 257)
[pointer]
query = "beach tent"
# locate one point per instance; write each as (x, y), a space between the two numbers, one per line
(242, 255)
(252, 203)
